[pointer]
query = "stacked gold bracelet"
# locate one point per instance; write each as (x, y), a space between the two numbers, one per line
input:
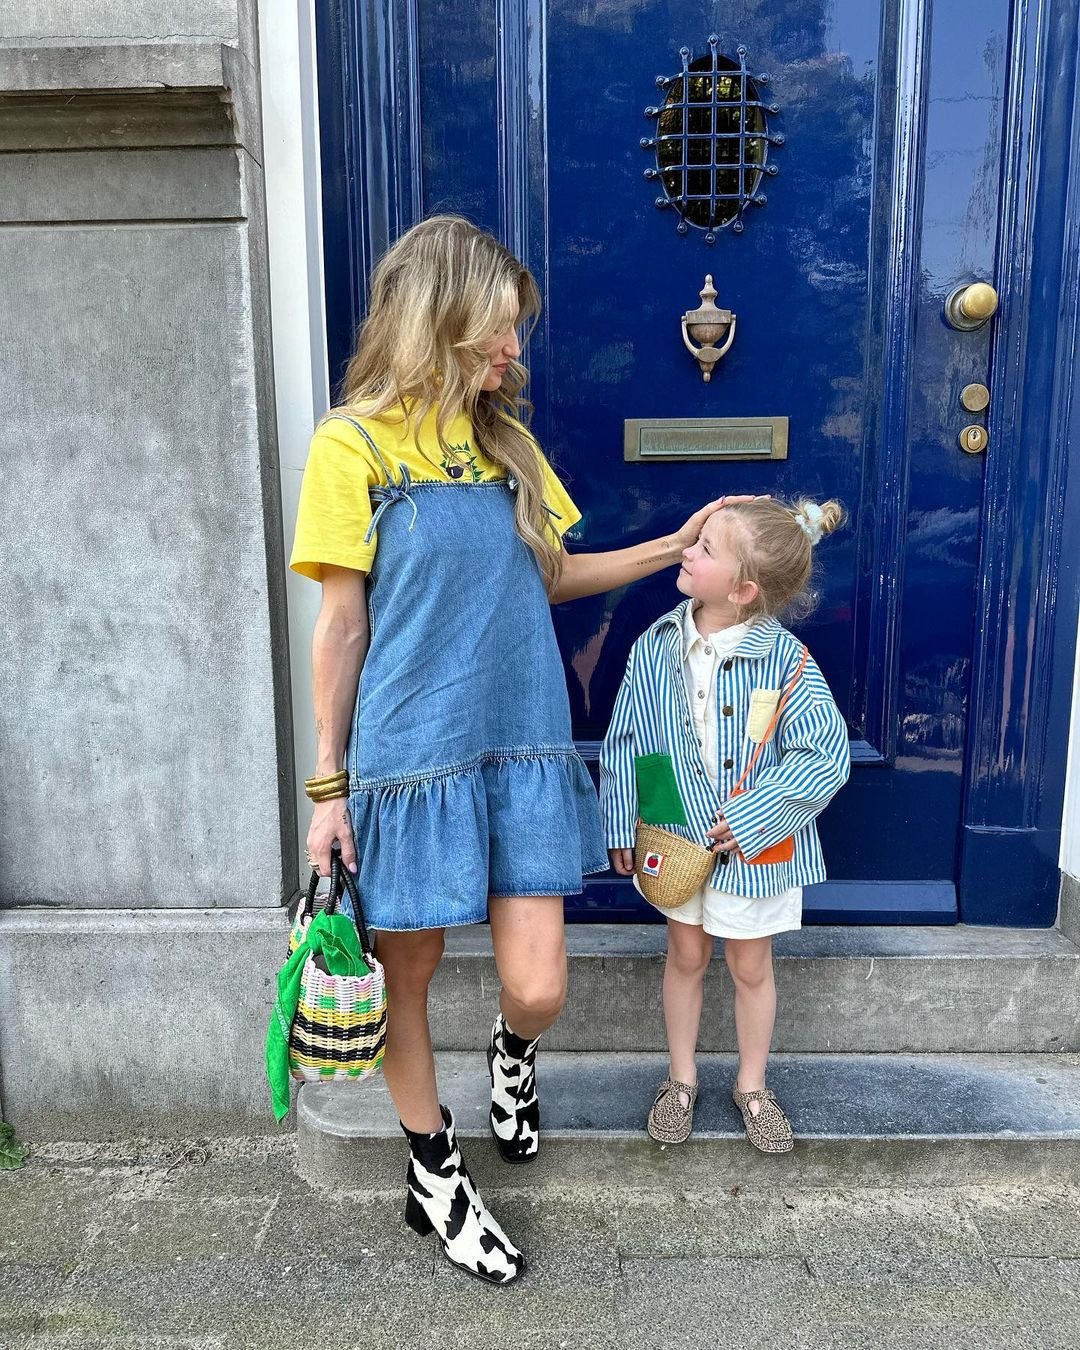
(325, 789)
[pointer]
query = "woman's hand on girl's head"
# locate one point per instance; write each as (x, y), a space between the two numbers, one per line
(689, 533)
(330, 825)
(622, 859)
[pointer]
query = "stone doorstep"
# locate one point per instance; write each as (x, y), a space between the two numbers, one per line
(858, 1119)
(872, 989)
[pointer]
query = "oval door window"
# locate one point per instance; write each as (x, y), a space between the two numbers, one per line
(712, 141)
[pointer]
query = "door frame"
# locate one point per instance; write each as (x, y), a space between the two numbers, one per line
(1028, 587)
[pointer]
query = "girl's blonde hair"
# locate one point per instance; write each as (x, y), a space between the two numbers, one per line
(438, 295)
(773, 541)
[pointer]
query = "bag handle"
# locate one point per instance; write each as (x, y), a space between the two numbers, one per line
(781, 705)
(341, 880)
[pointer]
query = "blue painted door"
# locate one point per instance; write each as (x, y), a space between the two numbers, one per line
(884, 151)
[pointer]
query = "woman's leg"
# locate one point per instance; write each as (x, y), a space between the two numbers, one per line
(410, 960)
(750, 963)
(440, 1194)
(530, 955)
(689, 952)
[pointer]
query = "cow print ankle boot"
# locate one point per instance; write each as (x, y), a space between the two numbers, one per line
(515, 1108)
(443, 1199)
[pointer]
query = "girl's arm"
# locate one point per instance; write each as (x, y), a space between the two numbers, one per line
(618, 786)
(594, 573)
(338, 648)
(815, 761)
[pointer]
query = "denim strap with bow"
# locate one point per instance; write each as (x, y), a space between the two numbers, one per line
(384, 497)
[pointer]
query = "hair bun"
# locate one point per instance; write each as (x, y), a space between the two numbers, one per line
(818, 520)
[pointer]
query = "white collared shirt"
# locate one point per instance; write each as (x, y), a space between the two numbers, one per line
(701, 660)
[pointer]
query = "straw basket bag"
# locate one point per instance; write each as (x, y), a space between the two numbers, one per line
(670, 869)
(340, 1026)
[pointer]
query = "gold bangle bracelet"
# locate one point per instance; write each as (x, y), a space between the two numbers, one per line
(326, 779)
(329, 797)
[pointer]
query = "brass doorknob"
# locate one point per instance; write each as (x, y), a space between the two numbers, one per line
(969, 307)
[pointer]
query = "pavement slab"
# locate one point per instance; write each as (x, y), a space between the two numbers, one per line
(1026, 1220)
(222, 1247)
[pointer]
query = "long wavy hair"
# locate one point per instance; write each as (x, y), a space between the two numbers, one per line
(438, 295)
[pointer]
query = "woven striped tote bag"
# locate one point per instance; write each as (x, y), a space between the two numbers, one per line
(339, 1030)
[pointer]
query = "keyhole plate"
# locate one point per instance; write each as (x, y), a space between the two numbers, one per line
(974, 440)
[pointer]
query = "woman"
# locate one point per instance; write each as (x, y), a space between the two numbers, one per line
(434, 524)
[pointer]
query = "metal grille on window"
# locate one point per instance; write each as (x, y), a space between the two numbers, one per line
(712, 141)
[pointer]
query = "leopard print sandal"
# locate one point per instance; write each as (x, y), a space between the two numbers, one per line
(670, 1122)
(769, 1130)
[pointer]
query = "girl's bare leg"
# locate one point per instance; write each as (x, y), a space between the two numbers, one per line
(690, 950)
(750, 962)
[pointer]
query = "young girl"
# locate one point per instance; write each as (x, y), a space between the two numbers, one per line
(446, 770)
(702, 689)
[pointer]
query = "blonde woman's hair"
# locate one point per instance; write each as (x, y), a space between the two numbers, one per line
(773, 541)
(438, 295)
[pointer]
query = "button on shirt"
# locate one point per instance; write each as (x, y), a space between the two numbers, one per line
(702, 658)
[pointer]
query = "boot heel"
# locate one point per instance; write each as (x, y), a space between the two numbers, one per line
(416, 1218)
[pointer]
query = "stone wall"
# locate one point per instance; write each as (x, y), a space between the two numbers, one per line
(147, 745)
(147, 823)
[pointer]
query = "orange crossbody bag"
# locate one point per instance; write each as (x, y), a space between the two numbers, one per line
(784, 851)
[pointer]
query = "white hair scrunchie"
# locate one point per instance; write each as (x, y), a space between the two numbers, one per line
(809, 519)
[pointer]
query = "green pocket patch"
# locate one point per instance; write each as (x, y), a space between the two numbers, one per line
(659, 802)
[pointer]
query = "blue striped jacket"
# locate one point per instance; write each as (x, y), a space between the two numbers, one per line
(800, 768)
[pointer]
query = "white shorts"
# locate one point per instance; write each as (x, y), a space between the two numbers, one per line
(737, 916)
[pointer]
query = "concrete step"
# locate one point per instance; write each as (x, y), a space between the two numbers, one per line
(858, 1119)
(857, 990)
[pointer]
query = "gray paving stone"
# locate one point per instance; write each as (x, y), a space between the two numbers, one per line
(313, 1223)
(217, 1177)
(24, 1290)
(639, 1264)
(1026, 1220)
(571, 1283)
(49, 1220)
(748, 1223)
(906, 1335)
(149, 1231)
(1041, 1285)
(79, 1340)
(265, 1303)
(884, 1287)
(872, 1219)
(739, 1303)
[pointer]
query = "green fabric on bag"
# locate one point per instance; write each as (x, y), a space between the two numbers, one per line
(659, 802)
(336, 937)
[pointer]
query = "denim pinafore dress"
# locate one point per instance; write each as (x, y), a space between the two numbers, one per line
(463, 777)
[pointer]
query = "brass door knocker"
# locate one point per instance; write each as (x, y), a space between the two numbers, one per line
(708, 324)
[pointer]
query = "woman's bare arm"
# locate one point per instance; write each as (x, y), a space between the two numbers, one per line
(593, 573)
(338, 648)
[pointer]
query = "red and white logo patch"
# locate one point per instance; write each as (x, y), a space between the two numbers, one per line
(652, 864)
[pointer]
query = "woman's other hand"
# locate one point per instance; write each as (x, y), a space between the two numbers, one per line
(689, 533)
(622, 859)
(330, 825)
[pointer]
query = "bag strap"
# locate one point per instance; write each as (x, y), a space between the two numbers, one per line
(341, 880)
(308, 909)
(772, 725)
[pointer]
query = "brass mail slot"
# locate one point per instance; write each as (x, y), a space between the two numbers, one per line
(705, 438)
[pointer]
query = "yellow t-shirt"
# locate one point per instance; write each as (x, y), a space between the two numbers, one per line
(335, 506)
